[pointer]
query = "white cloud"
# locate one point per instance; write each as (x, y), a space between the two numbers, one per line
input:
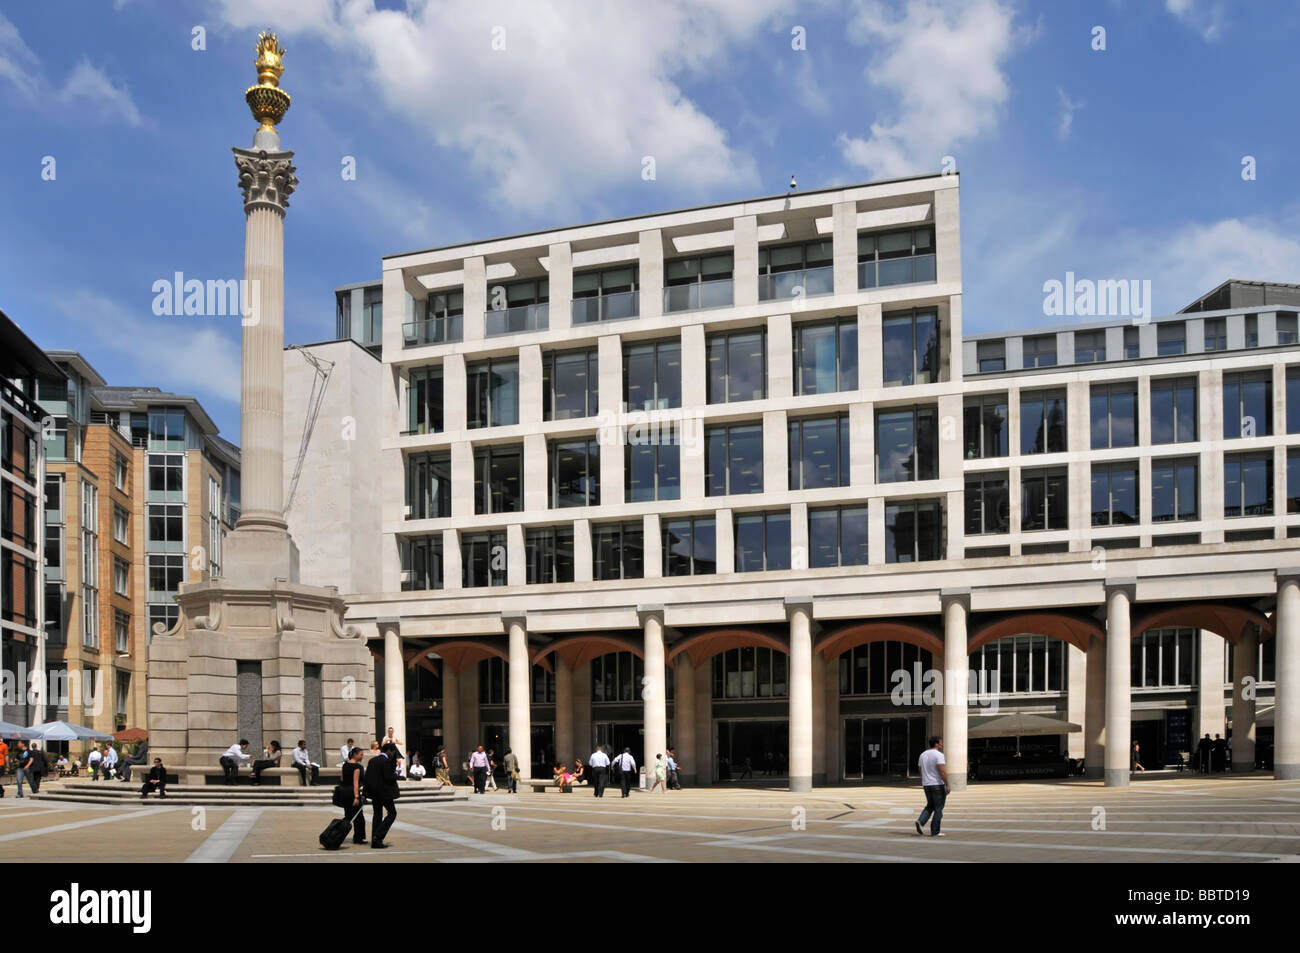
(568, 109)
(1068, 109)
(18, 64)
(941, 64)
(92, 85)
(1206, 17)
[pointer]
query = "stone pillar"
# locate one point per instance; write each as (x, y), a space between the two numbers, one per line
(801, 695)
(684, 719)
(703, 766)
(1094, 714)
(832, 742)
(1119, 596)
(1245, 661)
(1286, 693)
(394, 680)
(819, 721)
(653, 691)
(1076, 697)
(1211, 714)
(450, 706)
(956, 684)
(521, 671)
(564, 744)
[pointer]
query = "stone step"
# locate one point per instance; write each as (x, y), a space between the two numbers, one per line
(234, 796)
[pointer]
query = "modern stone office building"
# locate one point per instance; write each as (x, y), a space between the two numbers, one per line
(713, 477)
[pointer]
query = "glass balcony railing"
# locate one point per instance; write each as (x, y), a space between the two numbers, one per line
(696, 296)
(790, 284)
(527, 317)
(433, 331)
(606, 307)
(896, 271)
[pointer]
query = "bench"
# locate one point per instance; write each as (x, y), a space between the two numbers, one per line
(540, 785)
(214, 774)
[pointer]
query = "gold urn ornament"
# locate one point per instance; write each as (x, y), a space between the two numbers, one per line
(267, 100)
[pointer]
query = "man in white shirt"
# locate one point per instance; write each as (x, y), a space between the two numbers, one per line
(109, 764)
(934, 781)
(478, 767)
(627, 764)
(234, 756)
(598, 764)
(303, 762)
(93, 761)
(345, 753)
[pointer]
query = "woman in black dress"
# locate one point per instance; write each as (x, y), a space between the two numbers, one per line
(352, 771)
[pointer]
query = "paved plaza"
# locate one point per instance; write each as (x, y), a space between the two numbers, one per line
(1173, 819)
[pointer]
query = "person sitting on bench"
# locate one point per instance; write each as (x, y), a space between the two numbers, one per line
(231, 760)
(157, 780)
(271, 755)
(302, 761)
(141, 757)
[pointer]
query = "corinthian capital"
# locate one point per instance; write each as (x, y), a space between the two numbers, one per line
(266, 178)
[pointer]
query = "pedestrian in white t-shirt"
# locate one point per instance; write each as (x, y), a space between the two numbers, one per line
(934, 781)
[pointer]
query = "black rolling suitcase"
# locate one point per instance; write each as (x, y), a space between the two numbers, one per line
(332, 837)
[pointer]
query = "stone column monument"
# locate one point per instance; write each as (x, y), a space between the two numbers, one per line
(255, 654)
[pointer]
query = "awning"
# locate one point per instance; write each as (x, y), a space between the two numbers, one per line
(1019, 725)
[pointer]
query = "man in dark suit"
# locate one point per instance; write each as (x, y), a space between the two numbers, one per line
(381, 788)
(157, 780)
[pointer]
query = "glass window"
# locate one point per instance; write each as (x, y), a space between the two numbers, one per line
(734, 460)
(442, 320)
(1216, 334)
(483, 559)
(991, 355)
(795, 271)
(913, 531)
(826, 357)
(691, 284)
(618, 551)
(1247, 405)
(1286, 328)
(1164, 658)
(166, 573)
(498, 479)
(896, 258)
(1252, 330)
(1174, 490)
(428, 485)
(911, 348)
(652, 375)
(985, 427)
(421, 563)
(1040, 351)
(1042, 421)
(606, 295)
(988, 504)
(837, 536)
(166, 428)
(1171, 338)
(1114, 494)
(1173, 410)
(1089, 347)
(1293, 481)
(492, 398)
(1293, 400)
(652, 468)
(737, 366)
(1248, 484)
(570, 382)
(166, 473)
(575, 472)
(121, 524)
(548, 552)
(1132, 348)
(1114, 415)
(819, 452)
(762, 541)
(907, 444)
(1044, 499)
(689, 547)
(166, 527)
(518, 306)
(424, 400)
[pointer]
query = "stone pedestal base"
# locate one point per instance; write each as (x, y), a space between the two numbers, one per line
(262, 663)
(252, 556)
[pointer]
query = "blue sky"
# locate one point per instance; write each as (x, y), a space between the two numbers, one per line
(1122, 163)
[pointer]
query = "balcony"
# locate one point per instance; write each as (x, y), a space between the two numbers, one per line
(442, 330)
(607, 307)
(698, 295)
(791, 284)
(517, 320)
(910, 270)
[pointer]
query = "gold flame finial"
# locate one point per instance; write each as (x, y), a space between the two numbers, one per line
(267, 100)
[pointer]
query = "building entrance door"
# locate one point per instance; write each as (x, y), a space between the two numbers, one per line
(883, 747)
(614, 736)
(748, 749)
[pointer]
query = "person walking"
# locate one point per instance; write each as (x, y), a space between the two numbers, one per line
(490, 783)
(351, 785)
(674, 779)
(305, 765)
(934, 781)
(442, 767)
(661, 775)
(36, 770)
(1219, 754)
(627, 765)
(1137, 758)
(598, 764)
(95, 758)
(234, 756)
(512, 772)
(4, 763)
(271, 756)
(1203, 754)
(381, 788)
(478, 767)
(23, 761)
(156, 781)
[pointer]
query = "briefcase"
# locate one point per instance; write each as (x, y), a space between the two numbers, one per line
(336, 833)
